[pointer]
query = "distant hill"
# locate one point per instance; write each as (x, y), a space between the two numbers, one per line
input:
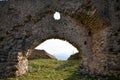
(74, 56)
(40, 54)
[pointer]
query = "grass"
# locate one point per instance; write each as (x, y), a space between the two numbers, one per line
(47, 69)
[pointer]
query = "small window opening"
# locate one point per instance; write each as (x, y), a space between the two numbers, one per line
(56, 16)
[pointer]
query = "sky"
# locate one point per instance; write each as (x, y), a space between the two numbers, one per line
(56, 16)
(59, 48)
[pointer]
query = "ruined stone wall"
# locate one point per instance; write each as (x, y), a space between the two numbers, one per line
(111, 12)
(91, 26)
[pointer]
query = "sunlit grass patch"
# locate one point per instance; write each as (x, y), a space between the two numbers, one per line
(47, 69)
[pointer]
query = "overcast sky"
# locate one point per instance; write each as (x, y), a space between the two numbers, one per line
(59, 48)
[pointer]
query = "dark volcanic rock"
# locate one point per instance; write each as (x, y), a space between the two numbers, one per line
(40, 54)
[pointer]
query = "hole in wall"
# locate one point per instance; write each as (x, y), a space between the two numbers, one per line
(60, 49)
(89, 33)
(56, 16)
(85, 42)
(111, 49)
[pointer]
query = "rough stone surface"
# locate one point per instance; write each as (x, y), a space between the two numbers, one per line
(40, 54)
(74, 56)
(22, 65)
(93, 26)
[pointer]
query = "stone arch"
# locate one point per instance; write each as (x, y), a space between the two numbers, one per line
(55, 29)
(25, 23)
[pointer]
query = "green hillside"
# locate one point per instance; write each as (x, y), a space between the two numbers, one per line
(47, 69)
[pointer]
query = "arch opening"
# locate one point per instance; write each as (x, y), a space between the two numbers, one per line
(57, 16)
(61, 49)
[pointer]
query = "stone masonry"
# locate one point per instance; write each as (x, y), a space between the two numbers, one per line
(93, 26)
